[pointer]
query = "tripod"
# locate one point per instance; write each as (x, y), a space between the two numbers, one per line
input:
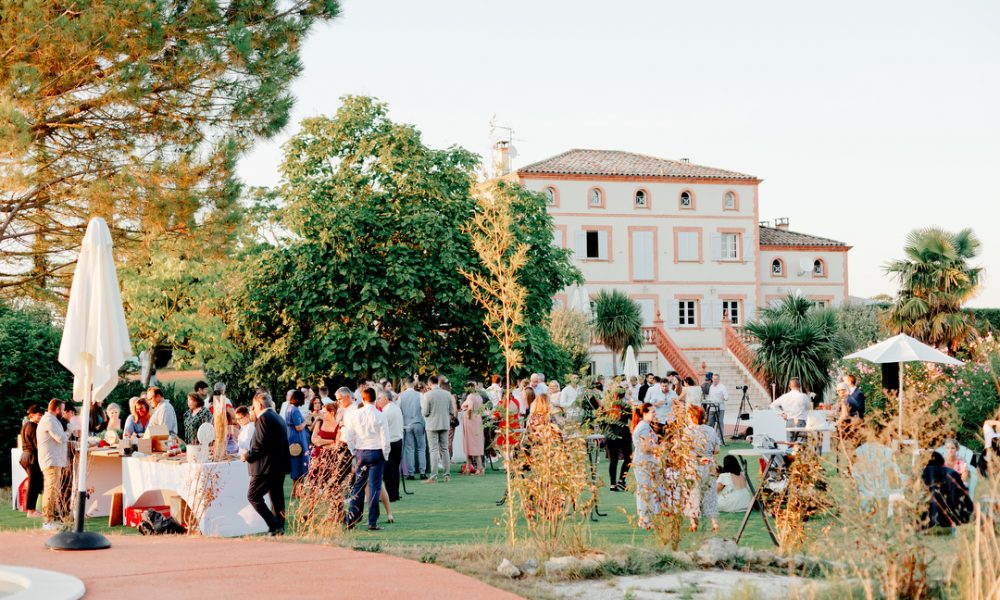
(743, 416)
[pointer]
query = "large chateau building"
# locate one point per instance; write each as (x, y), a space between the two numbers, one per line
(687, 243)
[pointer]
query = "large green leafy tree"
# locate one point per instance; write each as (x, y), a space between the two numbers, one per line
(797, 339)
(935, 280)
(617, 323)
(29, 372)
(134, 110)
(369, 280)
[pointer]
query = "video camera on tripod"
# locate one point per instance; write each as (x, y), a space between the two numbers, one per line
(743, 414)
(742, 388)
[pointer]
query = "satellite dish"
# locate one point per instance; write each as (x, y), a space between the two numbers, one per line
(805, 266)
(513, 152)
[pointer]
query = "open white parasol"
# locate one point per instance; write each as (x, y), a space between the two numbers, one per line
(901, 349)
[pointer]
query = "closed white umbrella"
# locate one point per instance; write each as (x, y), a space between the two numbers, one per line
(631, 368)
(901, 349)
(94, 346)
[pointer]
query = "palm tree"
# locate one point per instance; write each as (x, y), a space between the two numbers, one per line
(935, 281)
(797, 339)
(617, 323)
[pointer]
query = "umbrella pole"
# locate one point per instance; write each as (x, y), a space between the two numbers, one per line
(81, 492)
(78, 539)
(900, 400)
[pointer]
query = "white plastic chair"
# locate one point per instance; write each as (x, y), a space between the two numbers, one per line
(877, 475)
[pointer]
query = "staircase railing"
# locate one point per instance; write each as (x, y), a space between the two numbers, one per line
(659, 337)
(740, 349)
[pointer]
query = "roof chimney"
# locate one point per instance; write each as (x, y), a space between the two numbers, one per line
(501, 158)
(781, 223)
(686, 161)
(765, 223)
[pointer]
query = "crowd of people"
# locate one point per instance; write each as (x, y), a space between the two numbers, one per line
(364, 441)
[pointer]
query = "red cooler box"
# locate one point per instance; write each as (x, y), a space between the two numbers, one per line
(133, 514)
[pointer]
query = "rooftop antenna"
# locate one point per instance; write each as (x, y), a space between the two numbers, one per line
(502, 138)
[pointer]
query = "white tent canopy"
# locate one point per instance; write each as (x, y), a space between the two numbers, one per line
(902, 349)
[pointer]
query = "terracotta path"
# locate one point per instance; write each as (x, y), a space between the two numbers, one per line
(172, 567)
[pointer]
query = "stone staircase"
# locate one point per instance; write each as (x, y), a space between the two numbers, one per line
(732, 373)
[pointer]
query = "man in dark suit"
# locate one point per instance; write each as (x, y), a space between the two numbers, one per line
(644, 388)
(269, 462)
(855, 397)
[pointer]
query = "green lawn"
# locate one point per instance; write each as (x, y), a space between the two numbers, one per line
(463, 511)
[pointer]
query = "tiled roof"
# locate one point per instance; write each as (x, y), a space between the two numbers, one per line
(771, 236)
(615, 162)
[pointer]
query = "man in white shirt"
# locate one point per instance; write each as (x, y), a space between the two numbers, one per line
(246, 430)
(163, 412)
(656, 394)
(394, 422)
(717, 395)
(538, 384)
(53, 459)
(324, 395)
(793, 405)
(568, 397)
(367, 437)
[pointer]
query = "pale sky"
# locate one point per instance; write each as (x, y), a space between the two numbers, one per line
(864, 119)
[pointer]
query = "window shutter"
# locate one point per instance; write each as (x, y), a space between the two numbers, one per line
(581, 245)
(602, 245)
(673, 314)
(642, 255)
(716, 246)
(711, 313)
(648, 308)
(748, 309)
(748, 249)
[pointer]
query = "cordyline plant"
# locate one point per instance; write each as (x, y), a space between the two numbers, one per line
(502, 295)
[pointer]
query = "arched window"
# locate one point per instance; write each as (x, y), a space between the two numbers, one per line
(778, 268)
(729, 201)
(551, 196)
(819, 268)
(596, 197)
(687, 199)
(641, 199)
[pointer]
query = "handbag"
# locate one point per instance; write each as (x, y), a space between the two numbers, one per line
(295, 449)
(27, 459)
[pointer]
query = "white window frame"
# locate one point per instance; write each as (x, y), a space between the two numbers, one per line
(645, 366)
(645, 199)
(725, 201)
(729, 304)
(687, 313)
(819, 268)
(781, 267)
(550, 195)
(729, 249)
(598, 194)
(689, 200)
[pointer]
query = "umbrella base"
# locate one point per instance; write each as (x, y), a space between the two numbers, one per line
(78, 540)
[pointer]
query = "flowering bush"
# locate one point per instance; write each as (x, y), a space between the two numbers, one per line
(973, 388)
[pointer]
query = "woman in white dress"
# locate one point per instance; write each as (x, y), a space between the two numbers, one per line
(644, 461)
(731, 487)
(691, 395)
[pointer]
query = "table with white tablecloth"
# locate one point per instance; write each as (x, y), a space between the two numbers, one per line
(147, 483)
(104, 474)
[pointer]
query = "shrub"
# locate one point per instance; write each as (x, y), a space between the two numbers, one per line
(29, 369)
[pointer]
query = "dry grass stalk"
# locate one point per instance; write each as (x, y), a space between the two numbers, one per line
(804, 496)
(552, 486)
(204, 489)
(319, 510)
(500, 294)
(888, 555)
